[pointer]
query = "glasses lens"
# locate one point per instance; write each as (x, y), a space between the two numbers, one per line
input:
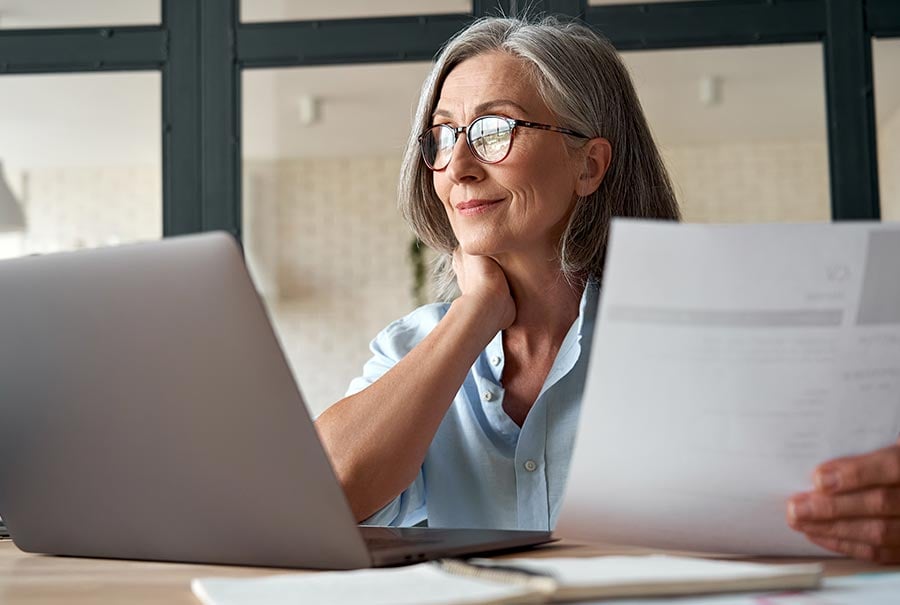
(437, 145)
(489, 137)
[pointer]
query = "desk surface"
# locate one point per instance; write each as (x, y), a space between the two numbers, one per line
(32, 579)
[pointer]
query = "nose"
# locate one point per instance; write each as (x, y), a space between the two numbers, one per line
(463, 166)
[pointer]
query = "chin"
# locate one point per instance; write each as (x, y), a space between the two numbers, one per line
(479, 248)
(483, 242)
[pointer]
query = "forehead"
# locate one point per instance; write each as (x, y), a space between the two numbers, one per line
(489, 77)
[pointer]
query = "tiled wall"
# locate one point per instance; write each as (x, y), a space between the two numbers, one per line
(86, 207)
(330, 253)
(328, 248)
(772, 182)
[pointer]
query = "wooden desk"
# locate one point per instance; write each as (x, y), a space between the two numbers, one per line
(36, 579)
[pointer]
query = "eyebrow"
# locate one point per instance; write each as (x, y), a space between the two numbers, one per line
(480, 109)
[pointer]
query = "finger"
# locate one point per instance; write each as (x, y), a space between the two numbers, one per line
(881, 467)
(875, 532)
(814, 506)
(858, 550)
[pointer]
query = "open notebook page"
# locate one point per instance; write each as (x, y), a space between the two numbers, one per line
(423, 584)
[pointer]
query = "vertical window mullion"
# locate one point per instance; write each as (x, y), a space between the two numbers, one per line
(850, 102)
(220, 135)
(182, 190)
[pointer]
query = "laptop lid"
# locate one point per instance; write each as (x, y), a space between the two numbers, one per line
(147, 412)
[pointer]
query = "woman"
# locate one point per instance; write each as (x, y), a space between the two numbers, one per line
(528, 138)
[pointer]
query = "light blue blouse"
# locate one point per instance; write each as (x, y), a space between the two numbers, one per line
(482, 470)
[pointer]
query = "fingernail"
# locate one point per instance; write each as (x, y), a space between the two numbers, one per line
(828, 481)
(799, 509)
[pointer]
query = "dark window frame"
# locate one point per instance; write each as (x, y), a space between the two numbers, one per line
(201, 48)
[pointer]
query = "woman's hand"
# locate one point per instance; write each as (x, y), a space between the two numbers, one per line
(855, 508)
(481, 280)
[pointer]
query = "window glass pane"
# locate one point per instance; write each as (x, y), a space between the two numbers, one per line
(81, 158)
(886, 58)
(295, 10)
(324, 240)
(742, 130)
(17, 14)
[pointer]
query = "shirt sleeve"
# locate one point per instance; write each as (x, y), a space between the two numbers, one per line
(405, 510)
(388, 347)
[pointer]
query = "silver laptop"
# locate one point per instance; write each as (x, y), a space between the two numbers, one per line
(147, 412)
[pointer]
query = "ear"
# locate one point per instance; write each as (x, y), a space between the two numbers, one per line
(597, 156)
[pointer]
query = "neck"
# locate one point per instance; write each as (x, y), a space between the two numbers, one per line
(546, 303)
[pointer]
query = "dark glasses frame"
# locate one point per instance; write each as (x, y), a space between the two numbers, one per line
(513, 124)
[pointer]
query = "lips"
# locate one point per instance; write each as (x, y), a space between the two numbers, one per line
(476, 206)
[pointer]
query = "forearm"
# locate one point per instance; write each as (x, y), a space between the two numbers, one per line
(377, 439)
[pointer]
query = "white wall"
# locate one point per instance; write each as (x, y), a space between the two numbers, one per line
(889, 167)
(766, 182)
(328, 248)
(87, 207)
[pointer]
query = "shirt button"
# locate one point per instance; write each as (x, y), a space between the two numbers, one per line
(530, 466)
(488, 396)
(495, 360)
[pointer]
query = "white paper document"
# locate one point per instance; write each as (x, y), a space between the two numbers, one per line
(728, 361)
(864, 589)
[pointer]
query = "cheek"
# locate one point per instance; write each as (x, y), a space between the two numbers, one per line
(547, 167)
(442, 187)
(559, 179)
(545, 180)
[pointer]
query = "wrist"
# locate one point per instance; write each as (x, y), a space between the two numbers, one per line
(482, 317)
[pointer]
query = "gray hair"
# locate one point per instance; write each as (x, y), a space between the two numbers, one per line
(582, 80)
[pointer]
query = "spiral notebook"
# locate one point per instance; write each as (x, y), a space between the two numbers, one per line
(498, 582)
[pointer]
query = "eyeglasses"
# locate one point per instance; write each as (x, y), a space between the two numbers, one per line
(489, 138)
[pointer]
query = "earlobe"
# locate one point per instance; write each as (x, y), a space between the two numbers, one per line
(597, 158)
